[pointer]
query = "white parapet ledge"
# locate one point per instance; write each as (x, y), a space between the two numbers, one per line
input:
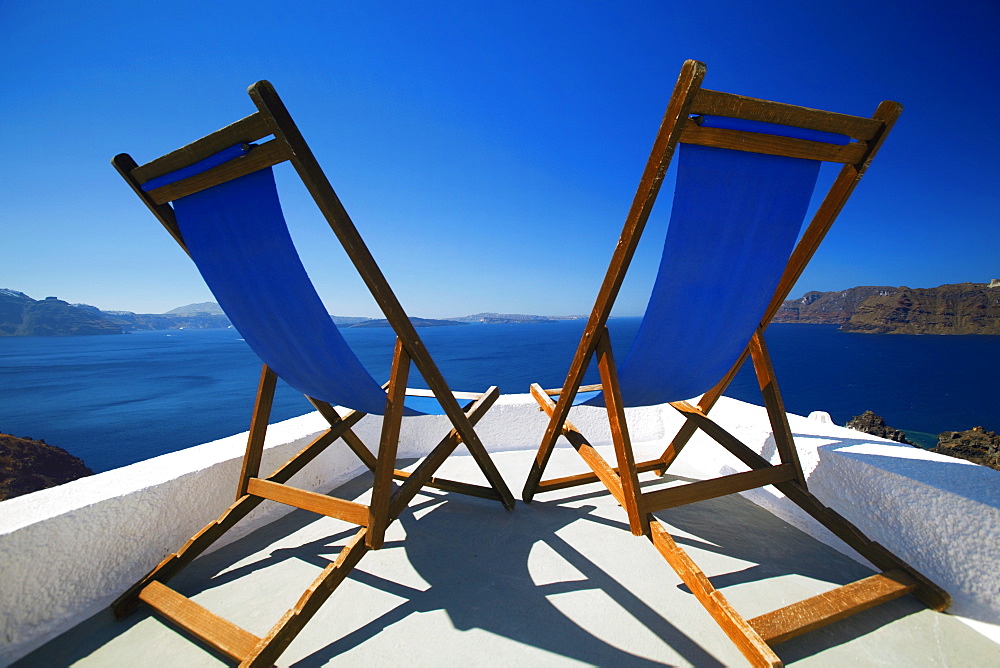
(68, 551)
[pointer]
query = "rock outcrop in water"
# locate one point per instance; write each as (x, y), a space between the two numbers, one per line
(870, 423)
(961, 308)
(28, 466)
(976, 445)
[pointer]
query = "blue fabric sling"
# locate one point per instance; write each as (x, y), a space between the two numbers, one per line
(735, 218)
(238, 238)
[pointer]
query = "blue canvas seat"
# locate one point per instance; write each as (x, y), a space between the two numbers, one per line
(218, 199)
(746, 172)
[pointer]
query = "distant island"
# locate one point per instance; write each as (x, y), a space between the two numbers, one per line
(20, 315)
(960, 308)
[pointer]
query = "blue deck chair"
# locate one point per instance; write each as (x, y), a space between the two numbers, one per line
(746, 172)
(217, 198)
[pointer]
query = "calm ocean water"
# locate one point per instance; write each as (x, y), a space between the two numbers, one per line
(115, 400)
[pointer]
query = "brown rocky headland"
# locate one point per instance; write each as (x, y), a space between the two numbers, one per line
(976, 445)
(960, 308)
(27, 466)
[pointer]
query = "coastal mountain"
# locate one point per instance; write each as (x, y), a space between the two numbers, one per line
(20, 315)
(961, 308)
(211, 308)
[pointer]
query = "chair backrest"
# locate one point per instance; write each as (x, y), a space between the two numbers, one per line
(227, 215)
(733, 225)
(747, 170)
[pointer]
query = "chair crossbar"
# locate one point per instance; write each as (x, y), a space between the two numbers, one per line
(341, 509)
(754, 142)
(812, 613)
(246, 130)
(213, 630)
(259, 157)
(446, 485)
(715, 103)
(584, 478)
(709, 489)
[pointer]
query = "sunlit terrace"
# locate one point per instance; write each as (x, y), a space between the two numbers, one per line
(559, 581)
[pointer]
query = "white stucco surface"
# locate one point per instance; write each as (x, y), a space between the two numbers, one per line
(67, 552)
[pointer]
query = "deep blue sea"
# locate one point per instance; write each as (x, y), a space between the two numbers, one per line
(115, 400)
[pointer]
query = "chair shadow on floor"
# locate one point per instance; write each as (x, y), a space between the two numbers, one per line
(476, 563)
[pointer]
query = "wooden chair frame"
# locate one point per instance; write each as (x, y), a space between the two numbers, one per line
(387, 501)
(753, 636)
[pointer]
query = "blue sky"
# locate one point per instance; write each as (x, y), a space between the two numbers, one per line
(488, 152)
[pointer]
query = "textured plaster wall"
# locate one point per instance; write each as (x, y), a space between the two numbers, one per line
(67, 552)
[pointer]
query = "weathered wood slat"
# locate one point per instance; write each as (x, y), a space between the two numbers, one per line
(627, 475)
(714, 103)
(258, 429)
(732, 623)
(243, 131)
(446, 485)
(585, 478)
(812, 613)
(773, 145)
(341, 509)
(258, 158)
(382, 487)
(213, 630)
(709, 489)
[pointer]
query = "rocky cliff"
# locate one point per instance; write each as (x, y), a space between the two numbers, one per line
(976, 445)
(870, 423)
(828, 308)
(28, 466)
(962, 308)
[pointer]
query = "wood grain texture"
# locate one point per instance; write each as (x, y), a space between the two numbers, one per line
(243, 131)
(731, 622)
(753, 142)
(794, 620)
(258, 429)
(259, 157)
(628, 477)
(392, 418)
(715, 103)
(214, 631)
(709, 489)
(775, 405)
(341, 509)
(585, 478)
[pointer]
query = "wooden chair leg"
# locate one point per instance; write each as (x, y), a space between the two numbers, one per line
(281, 634)
(386, 463)
(637, 517)
(258, 429)
(774, 405)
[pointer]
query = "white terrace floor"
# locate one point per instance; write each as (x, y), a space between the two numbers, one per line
(558, 582)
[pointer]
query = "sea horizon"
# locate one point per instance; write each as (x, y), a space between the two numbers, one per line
(115, 400)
